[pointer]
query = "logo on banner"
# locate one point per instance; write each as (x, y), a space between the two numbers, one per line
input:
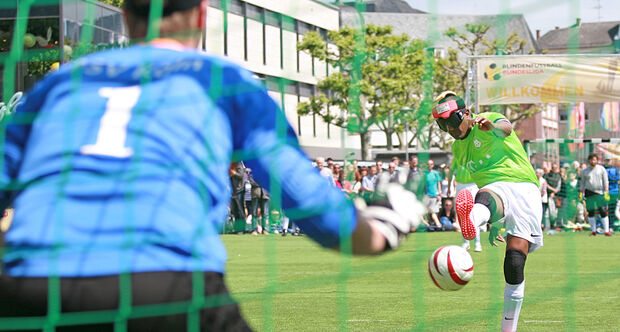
(492, 72)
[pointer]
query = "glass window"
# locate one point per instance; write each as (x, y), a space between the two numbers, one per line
(290, 87)
(236, 7)
(272, 83)
(303, 27)
(215, 4)
(272, 18)
(306, 90)
(323, 33)
(254, 12)
(563, 112)
(8, 9)
(288, 23)
(38, 10)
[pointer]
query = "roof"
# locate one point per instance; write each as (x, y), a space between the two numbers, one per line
(590, 35)
(431, 27)
(386, 6)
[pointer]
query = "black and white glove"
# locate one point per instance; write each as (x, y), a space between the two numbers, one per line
(394, 212)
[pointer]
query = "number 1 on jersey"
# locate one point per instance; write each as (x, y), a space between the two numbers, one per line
(112, 134)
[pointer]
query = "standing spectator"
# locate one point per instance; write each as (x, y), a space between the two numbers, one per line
(613, 175)
(433, 192)
(330, 162)
(337, 176)
(247, 198)
(379, 164)
(554, 184)
(237, 181)
(369, 182)
(447, 185)
(404, 166)
(357, 184)
(542, 186)
(572, 212)
(122, 173)
(594, 189)
(415, 178)
(396, 161)
(447, 215)
(508, 197)
(393, 172)
(259, 207)
(325, 172)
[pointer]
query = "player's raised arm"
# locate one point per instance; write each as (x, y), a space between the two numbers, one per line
(501, 127)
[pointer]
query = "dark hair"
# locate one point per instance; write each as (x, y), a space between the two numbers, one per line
(592, 155)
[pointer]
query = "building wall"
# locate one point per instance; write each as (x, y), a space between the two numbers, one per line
(262, 36)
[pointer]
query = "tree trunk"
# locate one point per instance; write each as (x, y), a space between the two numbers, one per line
(365, 144)
(401, 141)
(388, 140)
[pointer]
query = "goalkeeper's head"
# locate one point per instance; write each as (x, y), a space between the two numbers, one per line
(182, 20)
(452, 115)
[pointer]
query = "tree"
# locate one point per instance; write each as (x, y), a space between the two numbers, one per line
(116, 3)
(376, 83)
(473, 41)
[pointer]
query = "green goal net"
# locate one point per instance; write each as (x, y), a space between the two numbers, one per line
(351, 77)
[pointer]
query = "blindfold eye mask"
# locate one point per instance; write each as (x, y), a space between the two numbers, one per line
(449, 113)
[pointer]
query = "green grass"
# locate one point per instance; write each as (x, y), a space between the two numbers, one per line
(291, 284)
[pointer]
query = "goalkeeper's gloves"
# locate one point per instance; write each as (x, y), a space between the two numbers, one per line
(607, 198)
(581, 196)
(494, 229)
(394, 212)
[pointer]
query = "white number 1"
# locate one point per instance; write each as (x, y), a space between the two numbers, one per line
(113, 127)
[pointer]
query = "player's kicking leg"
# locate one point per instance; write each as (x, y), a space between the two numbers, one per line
(473, 213)
(488, 206)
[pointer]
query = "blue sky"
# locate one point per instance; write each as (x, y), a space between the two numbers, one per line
(540, 14)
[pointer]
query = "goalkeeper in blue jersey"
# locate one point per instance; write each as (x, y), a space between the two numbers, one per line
(117, 167)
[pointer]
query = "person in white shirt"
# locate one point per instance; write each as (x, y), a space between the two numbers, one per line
(594, 189)
(325, 171)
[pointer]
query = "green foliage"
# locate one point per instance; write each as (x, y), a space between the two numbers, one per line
(116, 3)
(41, 63)
(473, 41)
(377, 82)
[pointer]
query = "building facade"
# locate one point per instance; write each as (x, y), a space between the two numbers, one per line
(584, 38)
(53, 32)
(262, 35)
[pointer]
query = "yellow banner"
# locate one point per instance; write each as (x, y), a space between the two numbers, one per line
(547, 79)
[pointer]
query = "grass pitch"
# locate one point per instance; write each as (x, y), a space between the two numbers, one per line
(291, 284)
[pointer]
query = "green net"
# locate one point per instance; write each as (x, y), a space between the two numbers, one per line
(338, 86)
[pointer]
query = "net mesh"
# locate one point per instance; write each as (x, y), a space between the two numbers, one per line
(34, 44)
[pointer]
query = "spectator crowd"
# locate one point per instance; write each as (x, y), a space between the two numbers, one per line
(565, 192)
(250, 211)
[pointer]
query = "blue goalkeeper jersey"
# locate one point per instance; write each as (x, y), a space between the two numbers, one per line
(119, 162)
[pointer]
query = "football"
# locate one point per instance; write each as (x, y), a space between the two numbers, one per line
(451, 267)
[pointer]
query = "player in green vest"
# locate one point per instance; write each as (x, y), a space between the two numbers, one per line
(487, 146)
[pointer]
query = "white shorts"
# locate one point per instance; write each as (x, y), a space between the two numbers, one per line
(432, 203)
(522, 210)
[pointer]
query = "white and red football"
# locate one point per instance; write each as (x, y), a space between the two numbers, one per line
(451, 267)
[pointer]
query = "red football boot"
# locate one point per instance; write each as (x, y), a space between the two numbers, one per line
(464, 204)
